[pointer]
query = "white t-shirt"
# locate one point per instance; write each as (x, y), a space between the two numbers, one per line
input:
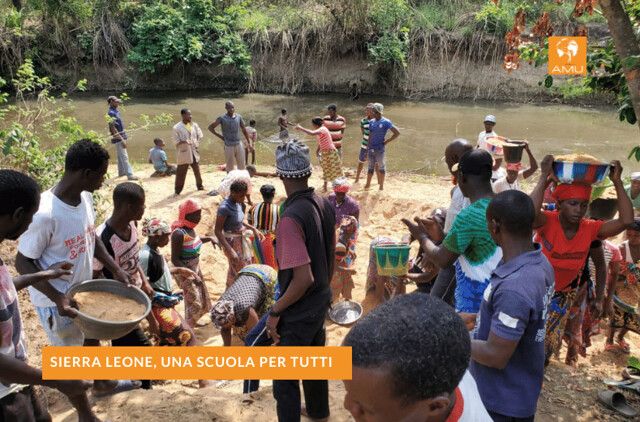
(468, 406)
(502, 185)
(495, 175)
(482, 139)
(60, 232)
(458, 203)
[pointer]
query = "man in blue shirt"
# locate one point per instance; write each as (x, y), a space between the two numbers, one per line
(378, 128)
(116, 127)
(508, 348)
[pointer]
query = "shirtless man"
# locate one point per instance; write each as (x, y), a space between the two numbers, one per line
(283, 123)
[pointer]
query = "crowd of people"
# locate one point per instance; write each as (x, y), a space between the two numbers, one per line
(502, 277)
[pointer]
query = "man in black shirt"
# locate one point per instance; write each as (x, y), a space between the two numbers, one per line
(305, 252)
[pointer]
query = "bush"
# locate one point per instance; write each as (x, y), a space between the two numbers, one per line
(494, 20)
(171, 32)
(391, 19)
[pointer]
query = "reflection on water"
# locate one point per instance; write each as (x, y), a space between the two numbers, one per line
(426, 127)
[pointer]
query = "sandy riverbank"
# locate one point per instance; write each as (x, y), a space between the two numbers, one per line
(569, 393)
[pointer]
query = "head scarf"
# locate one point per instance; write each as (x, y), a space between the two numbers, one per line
(571, 191)
(154, 227)
(187, 207)
(341, 185)
(222, 313)
(514, 166)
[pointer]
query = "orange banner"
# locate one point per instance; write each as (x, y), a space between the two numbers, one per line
(162, 363)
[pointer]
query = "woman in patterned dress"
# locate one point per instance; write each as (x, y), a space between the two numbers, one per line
(627, 292)
(243, 304)
(326, 151)
(185, 253)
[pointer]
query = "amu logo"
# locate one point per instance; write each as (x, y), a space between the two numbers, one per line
(567, 55)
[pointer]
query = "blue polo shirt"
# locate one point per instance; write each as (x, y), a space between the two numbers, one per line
(377, 132)
(116, 121)
(514, 307)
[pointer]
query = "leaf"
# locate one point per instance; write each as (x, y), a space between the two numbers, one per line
(548, 81)
(630, 114)
(633, 151)
(631, 62)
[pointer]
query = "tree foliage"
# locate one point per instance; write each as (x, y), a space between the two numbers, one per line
(605, 70)
(180, 31)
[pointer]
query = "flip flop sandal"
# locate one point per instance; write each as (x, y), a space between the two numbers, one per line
(630, 385)
(631, 373)
(624, 346)
(616, 401)
(122, 386)
(611, 348)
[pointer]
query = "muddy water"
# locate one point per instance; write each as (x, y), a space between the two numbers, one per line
(426, 127)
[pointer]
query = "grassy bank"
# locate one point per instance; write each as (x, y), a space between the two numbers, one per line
(418, 48)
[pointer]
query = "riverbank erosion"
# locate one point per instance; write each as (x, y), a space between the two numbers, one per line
(569, 394)
(411, 49)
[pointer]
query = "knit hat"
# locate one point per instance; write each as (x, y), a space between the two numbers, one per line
(292, 160)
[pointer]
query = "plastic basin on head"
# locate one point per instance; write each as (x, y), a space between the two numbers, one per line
(495, 144)
(392, 260)
(108, 330)
(580, 173)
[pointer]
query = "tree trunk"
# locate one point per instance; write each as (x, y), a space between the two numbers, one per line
(626, 45)
(17, 4)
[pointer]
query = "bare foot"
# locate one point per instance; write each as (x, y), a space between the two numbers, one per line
(206, 383)
(303, 412)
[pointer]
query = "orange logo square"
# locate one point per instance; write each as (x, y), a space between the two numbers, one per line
(567, 55)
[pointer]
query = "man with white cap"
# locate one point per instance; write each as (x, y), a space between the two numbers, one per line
(497, 171)
(306, 255)
(378, 128)
(489, 123)
(633, 190)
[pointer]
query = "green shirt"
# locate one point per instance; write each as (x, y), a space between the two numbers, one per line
(164, 284)
(636, 201)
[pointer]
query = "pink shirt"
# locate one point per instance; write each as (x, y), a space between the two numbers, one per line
(291, 251)
(324, 139)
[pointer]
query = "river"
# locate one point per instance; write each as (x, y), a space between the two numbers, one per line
(426, 126)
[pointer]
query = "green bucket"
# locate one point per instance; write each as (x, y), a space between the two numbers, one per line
(392, 260)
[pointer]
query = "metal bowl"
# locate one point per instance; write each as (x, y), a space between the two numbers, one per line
(346, 312)
(108, 330)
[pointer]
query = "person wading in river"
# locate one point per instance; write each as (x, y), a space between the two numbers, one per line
(336, 125)
(283, 125)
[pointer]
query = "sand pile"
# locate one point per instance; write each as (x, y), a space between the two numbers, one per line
(109, 307)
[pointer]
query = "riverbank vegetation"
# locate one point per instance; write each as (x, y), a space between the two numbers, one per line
(141, 41)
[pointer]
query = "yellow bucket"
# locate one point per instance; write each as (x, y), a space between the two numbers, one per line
(392, 260)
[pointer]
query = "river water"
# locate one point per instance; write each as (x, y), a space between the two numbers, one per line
(426, 126)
